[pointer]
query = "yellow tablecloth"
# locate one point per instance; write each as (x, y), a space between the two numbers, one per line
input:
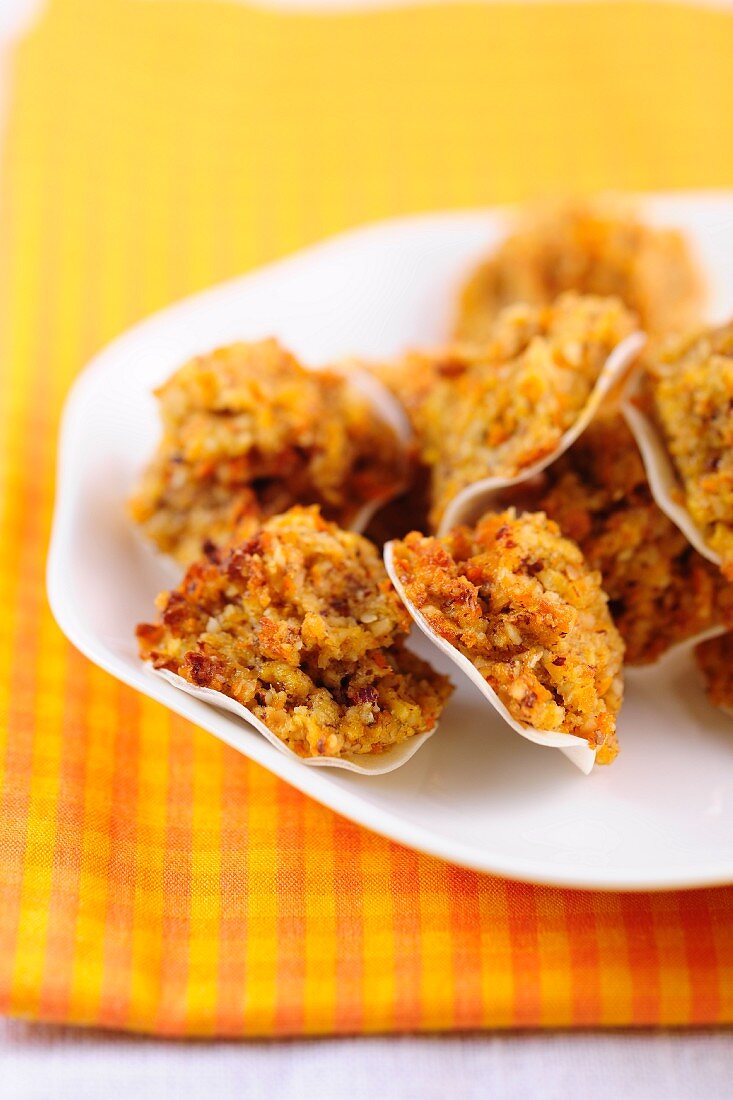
(150, 878)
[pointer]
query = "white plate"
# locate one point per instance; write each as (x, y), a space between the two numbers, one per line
(476, 794)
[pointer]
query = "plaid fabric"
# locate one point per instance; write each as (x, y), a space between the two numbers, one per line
(150, 878)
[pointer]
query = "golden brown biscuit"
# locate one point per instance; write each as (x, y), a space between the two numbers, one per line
(518, 600)
(689, 390)
(597, 246)
(248, 432)
(493, 410)
(661, 591)
(301, 625)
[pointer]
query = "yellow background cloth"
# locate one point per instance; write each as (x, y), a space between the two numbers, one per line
(150, 878)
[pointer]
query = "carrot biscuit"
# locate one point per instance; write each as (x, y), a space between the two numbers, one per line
(596, 247)
(495, 410)
(300, 624)
(715, 660)
(518, 600)
(689, 387)
(248, 432)
(660, 590)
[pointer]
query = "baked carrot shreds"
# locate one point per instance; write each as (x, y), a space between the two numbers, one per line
(518, 600)
(300, 624)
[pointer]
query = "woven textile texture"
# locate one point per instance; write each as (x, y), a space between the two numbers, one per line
(150, 878)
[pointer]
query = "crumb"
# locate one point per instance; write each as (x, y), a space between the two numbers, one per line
(248, 432)
(300, 624)
(597, 246)
(518, 600)
(689, 387)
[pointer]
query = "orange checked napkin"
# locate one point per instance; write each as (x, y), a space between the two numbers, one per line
(150, 878)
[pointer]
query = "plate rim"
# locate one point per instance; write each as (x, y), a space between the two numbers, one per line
(308, 780)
